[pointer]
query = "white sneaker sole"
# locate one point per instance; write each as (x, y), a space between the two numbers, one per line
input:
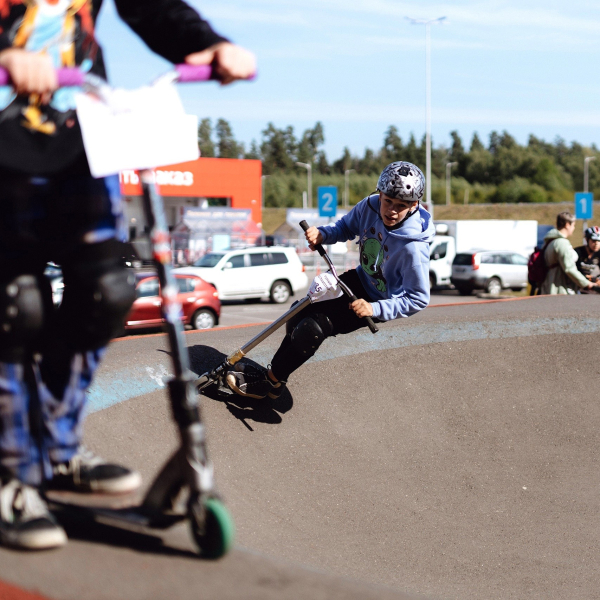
(39, 540)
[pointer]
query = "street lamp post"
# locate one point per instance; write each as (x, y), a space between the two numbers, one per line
(427, 24)
(262, 205)
(347, 187)
(586, 172)
(308, 168)
(586, 180)
(448, 173)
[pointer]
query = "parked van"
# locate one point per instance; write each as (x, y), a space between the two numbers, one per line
(274, 272)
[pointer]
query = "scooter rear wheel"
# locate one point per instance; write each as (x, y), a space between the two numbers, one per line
(212, 527)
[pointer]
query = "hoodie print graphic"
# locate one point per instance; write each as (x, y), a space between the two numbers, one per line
(372, 258)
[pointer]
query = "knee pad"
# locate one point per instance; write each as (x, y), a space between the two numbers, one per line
(310, 333)
(95, 303)
(23, 304)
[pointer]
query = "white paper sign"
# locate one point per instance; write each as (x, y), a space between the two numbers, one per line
(324, 287)
(136, 129)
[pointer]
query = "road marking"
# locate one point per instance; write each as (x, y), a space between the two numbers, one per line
(129, 382)
(10, 592)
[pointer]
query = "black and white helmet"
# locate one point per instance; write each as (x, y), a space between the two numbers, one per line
(592, 233)
(402, 181)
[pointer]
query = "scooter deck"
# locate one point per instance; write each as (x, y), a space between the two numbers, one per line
(108, 510)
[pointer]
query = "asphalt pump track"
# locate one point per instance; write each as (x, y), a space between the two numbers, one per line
(452, 455)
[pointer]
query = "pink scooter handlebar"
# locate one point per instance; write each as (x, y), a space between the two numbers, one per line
(74, 77)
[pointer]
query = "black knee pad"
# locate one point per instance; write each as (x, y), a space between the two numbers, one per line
(96, 300)
(23, 304)
(310, 333)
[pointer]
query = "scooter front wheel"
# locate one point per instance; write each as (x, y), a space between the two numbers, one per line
(212, 527)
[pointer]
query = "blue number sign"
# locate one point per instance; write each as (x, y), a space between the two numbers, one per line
(327, 195)
(584, 205)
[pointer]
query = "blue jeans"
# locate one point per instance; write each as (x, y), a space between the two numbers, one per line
(43, 220)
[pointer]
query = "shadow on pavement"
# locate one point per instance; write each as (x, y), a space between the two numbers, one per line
(82, 526)
(205, 358)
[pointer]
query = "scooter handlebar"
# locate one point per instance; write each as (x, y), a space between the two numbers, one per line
(319, 248)
(72, 76)
(66, 77)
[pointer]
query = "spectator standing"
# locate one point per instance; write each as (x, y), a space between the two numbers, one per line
(588, 261)
(563, 276)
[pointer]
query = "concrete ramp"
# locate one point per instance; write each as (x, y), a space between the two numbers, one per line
(453, 455)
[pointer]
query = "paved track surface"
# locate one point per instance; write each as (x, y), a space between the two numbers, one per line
(454, 455)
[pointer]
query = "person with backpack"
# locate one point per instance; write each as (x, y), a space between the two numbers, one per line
(562, 276)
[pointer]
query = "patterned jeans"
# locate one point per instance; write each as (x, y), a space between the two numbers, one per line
(44, 220)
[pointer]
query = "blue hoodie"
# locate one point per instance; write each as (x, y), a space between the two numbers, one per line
(394, 263)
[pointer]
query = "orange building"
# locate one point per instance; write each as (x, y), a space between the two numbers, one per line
(185, 184)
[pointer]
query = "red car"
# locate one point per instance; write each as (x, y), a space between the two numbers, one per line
(199, 300)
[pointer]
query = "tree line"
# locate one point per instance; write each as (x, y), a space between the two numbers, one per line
(501, 170)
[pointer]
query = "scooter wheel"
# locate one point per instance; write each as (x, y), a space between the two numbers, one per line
(212, 527)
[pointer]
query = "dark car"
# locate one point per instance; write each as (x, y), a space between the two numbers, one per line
(199, 301)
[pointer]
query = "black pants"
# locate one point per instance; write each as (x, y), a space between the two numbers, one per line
(333, 316)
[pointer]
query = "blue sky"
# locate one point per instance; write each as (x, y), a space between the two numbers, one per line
(358, 66)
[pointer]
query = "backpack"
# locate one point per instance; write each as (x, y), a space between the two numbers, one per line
(537, 269)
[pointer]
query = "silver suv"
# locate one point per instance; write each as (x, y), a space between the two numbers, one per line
(491, 271)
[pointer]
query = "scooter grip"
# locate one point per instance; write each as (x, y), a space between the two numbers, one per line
(191, 73)
(318, 247)
(195, 73)
(67, 76)
(370, 323)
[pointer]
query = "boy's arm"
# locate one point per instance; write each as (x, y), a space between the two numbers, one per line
(178, 33)
(345, 228)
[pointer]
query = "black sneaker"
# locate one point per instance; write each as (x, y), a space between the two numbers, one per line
(88, 473)
(25, 521)
(249, 381)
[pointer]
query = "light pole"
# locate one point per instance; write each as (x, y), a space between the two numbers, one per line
(448, 173)
(347, 187)
(586, 172)
(262, 204)
(308, 168)
(586, 180)
(427, 24)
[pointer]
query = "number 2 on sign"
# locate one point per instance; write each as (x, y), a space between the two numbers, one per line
(328, 199)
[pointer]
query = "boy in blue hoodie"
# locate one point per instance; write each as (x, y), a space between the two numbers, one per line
(392, 280)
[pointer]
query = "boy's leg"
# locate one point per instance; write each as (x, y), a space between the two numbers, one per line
(98, 294)
(25, 521)
(305, 333)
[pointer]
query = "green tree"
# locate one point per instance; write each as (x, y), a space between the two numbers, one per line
(476, 144)
(310, 143)
(345, 162)
(278, 149)
(254, 152)
(205, 143)
(393, 148)
(226, 144)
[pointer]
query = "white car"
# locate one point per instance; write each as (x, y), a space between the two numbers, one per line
(263, 272)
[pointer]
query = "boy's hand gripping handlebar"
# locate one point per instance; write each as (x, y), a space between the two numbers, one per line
(319, 248)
